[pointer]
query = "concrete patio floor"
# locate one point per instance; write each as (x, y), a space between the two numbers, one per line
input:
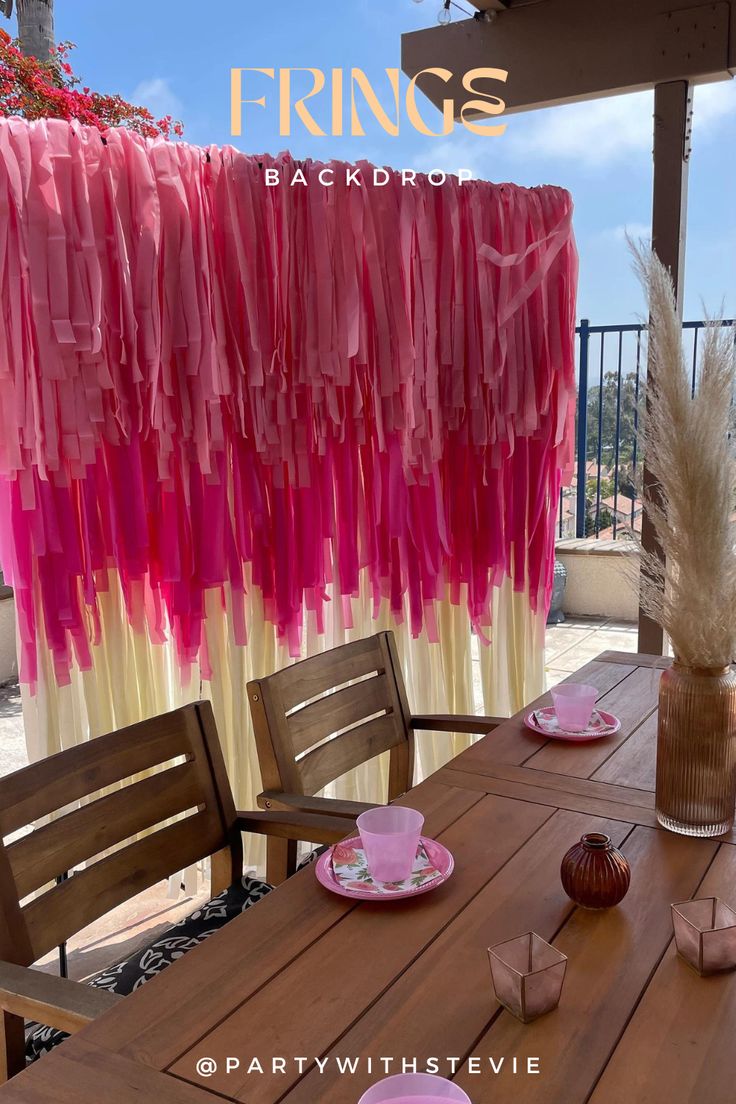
(115, 936)
(13, 753)
(571, 645)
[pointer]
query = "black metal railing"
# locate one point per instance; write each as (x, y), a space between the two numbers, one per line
(611, 369)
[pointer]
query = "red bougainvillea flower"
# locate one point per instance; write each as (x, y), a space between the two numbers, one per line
(43, 90)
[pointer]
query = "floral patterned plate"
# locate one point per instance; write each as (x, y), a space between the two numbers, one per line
(544, 721)
(343, 870)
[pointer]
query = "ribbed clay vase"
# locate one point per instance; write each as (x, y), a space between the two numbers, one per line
(696, 750)
(594, 873)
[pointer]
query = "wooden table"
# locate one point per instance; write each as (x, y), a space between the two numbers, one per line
(309, 975)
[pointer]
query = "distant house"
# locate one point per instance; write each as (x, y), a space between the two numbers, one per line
(620, 505)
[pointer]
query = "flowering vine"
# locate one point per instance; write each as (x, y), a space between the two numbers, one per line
(38, 90)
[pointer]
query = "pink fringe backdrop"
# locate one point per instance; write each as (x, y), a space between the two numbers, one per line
(205, 380)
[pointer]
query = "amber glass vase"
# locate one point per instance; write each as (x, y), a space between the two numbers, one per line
(696, 750)
(594, 873)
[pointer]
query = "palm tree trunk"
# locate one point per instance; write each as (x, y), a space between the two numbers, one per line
(36, 27)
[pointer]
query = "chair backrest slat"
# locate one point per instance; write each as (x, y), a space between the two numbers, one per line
(332, 760)
(318, 674)
(59, 846)
(97, 804)
(334, 712)
(319, 718)
(67, 908)
(45, 787)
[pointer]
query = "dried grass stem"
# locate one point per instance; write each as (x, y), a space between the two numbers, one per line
(688, 449)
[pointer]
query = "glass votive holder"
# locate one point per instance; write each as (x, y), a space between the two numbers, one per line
(527, 975)
(705, 934)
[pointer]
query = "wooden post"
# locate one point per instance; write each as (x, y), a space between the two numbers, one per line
(673, 103)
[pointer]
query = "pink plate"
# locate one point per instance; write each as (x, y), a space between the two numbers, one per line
(439, 856)
(545, 723)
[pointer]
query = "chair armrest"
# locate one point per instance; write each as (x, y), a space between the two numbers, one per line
(271, 799)
(52, 1000)
(306, 827)
(455, 722)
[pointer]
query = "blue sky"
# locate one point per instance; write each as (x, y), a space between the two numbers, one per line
(176, 55)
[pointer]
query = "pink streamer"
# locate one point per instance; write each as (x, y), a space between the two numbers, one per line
(199, 372)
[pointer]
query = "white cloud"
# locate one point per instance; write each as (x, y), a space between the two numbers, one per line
(713, 102)
(593, 134)
(602, 131)
(158, 96)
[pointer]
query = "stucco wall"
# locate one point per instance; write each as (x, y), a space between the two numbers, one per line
(597, 579)
(8, 660)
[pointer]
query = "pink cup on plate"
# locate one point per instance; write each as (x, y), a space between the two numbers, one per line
(415, 1088)
(574, 703)
(390, 837)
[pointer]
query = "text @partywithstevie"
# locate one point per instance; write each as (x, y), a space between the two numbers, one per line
(384, 1066)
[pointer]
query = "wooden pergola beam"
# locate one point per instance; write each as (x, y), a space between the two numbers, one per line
(567, 51)
(673, 107)
(562, 51)
(491, 5)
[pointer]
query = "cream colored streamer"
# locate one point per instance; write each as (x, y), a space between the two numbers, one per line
(512, 668)
(132, 679)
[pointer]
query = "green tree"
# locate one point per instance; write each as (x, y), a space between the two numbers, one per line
(627, 424)
(605, 516)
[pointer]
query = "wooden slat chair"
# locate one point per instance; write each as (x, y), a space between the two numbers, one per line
(193, 781)
(344, 723)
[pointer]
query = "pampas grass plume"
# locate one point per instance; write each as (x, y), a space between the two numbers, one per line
(688, 449)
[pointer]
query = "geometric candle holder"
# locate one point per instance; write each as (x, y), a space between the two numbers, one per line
(705, 934)
(527, 976)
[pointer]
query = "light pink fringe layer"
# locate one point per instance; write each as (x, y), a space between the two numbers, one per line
(199, 372)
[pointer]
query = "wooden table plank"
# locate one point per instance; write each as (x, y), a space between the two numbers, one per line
(556, 783)
(220, 973)
(339, 977)
(632, 701)
(444, 1000)
(679, 1045)
(513, 742)
(612, 954)
(288, 978)
(582, 795)
(639, 659)
(555, 799)
(634, 764)
(79, 1073)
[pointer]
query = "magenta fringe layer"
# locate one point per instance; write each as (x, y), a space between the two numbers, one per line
(199, 372)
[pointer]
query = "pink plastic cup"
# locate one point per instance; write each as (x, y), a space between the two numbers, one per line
(390, 837)
(574, 703)
(414, 1088)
